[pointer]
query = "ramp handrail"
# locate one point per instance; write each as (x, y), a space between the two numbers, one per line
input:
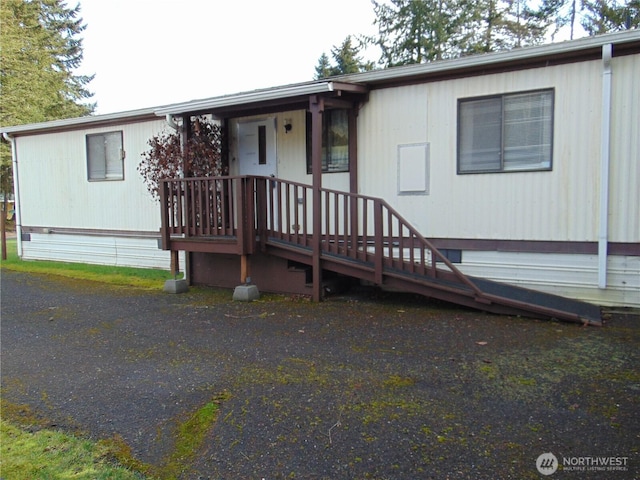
(354, 226)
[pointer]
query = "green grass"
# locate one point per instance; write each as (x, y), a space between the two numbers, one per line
(47, 454)
(189, 437)
(144, 278)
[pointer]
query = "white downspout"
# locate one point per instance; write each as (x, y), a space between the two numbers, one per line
(171, 121)
(605, 140)
(16, 191)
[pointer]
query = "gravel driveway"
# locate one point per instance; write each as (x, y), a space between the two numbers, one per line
(359, 386)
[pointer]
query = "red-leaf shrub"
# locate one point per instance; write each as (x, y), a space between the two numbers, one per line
(201, 156)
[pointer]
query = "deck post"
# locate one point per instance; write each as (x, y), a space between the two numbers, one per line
(242, 220)
(261, 214)
(244, 268)
(316, 106)
(250, 209)
(175, 263)
(378, 228)
(165, 235)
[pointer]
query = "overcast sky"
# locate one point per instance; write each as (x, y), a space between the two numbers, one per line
(147, 53)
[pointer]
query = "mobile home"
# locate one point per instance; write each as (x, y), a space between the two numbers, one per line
(521, 167)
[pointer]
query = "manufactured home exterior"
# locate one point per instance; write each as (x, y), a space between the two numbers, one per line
(521, 167)
(539, 228)
(67, 213)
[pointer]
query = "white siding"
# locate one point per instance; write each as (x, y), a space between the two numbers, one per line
(393, 117)
(55, 194)
(574, 276)
(55, 191)
(99, 250)
(624, 180)
(557, 205)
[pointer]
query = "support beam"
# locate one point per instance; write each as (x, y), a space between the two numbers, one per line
(244, 268)
(353, 149)
(353, 172)
(175, 263)
(316, 106)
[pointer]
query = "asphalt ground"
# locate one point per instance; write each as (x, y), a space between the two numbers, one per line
(360, 386)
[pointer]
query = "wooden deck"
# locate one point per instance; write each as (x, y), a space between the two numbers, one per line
(356, 235)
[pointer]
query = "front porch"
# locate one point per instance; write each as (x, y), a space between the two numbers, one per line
(332, 231)
(248, 215)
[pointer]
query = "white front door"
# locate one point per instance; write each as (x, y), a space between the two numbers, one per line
(257, 156)
(257, 148)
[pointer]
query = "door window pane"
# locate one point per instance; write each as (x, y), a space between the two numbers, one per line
(335, 141)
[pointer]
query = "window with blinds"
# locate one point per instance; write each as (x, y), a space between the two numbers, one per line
(105, 156)
(335, 141)
(506, 133)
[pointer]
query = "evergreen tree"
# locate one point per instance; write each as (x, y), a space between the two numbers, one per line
(506, 24)
(417, 31)
(346, 58)
(562, 13)
(39, 49)
(323, 69)
(610, 16)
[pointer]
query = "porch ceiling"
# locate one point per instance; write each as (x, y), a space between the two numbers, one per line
(291, 97)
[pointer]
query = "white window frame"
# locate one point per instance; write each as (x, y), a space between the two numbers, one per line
(500, 137)
(105, 156)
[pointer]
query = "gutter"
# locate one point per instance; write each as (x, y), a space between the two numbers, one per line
(262, 95)
(569, 48)
(605, 159)
(89, 121)
(16, 190)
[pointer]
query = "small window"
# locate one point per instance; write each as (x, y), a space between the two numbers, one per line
(105, 156)
(335, 141)
(506, 133)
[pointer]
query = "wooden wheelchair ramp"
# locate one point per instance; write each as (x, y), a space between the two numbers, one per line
(365, 238)
(454, 287)
(355, 235)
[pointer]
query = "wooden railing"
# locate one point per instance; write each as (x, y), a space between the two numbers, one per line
(258, 210)
(208, 208)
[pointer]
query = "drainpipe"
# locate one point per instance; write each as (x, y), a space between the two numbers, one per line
(16, 190)
(171, 121)
(174, 254)
(605, 140)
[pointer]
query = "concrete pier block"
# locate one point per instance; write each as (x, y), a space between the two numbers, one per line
(246, 293)
(176, 286)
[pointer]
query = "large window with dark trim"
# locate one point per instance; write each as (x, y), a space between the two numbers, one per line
(105, 156)
(506, 133)
(335, 141)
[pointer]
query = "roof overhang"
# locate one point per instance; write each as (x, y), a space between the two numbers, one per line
(271, 99)
(90, 121)
(584, 49)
